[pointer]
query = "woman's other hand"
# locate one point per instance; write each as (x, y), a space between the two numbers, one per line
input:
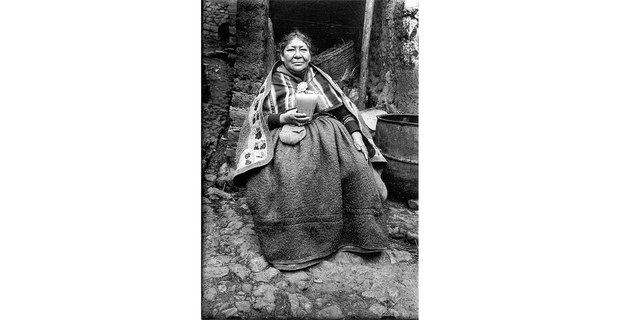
(295, 118)
(358, 142)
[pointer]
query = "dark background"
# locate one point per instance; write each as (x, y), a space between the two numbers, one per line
(327, 22)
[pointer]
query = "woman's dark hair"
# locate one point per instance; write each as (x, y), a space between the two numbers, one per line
(295, 34)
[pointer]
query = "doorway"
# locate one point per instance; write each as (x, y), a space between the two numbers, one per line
(327, 22)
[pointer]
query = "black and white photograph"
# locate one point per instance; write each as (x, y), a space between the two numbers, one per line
(260, 159)
(310, 159)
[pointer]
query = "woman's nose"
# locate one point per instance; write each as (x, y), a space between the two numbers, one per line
(297, 54)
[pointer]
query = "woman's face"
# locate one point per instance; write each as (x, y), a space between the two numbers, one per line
(296, 56)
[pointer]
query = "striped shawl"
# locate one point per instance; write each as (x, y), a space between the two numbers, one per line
(255, 146)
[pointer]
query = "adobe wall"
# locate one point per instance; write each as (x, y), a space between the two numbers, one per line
(218, 72)
(234, 34)
(250, 63)
(393, 65)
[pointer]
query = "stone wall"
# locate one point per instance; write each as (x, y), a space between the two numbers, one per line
(215, 119)
(393, 65)
(234, 64)
(218, 24)
(219, 47)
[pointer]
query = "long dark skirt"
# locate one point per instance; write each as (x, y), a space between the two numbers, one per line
(314, 198)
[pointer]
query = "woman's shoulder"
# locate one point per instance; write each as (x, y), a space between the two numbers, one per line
(279, 68)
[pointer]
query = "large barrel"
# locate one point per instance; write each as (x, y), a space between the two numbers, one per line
(397, 137)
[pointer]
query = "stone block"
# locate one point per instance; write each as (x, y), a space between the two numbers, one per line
(215, 272)
(249, 52)
(240, 103)
(300, 305)
(238, 115)
(219, 193)
(246, 287)
(210, 294)
(231, 57)
(249, 70)
(257, 264)
(378, 309)
(240, 270)
(218, 261)
(300, 279)
(266, 275)
(230, 154)
(265, 298)
(332, 312)
(233, 136)
(250, 87)
(243, 306)
(229, 312)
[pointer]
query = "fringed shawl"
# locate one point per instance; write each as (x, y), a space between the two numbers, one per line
(255, 146)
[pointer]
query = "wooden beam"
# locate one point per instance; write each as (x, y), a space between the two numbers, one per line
(361, 102)
(271, 47)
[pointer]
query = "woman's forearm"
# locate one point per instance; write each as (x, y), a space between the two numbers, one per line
(273, 121)
(346, 117)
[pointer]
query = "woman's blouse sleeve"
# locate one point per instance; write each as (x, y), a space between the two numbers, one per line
(348, 120)
(273, 121)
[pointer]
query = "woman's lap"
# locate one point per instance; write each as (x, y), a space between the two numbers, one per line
(315, 197)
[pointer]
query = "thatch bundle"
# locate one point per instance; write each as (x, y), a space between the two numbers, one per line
(336, 60)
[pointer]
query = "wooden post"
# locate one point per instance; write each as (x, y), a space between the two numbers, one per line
(271, 47)
(361, 102)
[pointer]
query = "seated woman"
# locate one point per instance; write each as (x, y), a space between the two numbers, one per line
(310, 182)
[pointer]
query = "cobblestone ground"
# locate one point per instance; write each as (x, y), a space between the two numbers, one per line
(238, 283)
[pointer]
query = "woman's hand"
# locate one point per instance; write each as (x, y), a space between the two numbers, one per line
(294, 118)
(358, 142)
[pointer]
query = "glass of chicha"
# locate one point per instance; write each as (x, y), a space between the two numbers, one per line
(306, 102)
